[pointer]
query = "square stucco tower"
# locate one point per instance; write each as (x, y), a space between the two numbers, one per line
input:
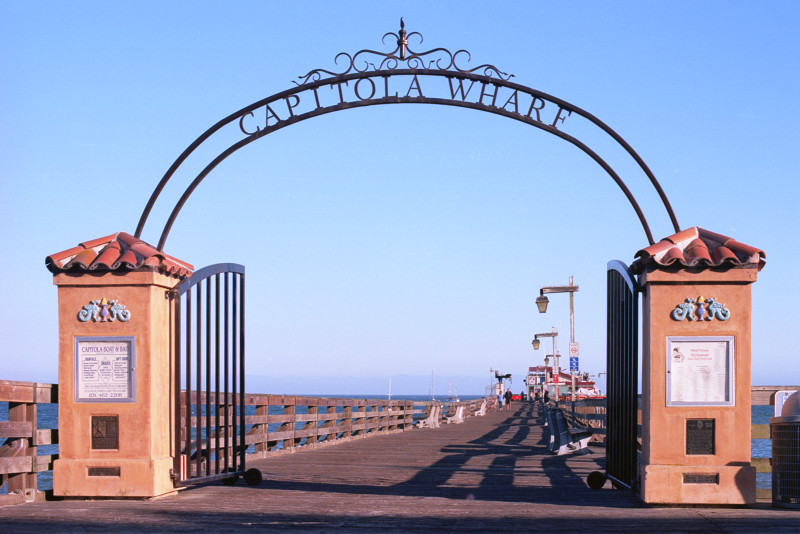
(696, 408)
(115, 368)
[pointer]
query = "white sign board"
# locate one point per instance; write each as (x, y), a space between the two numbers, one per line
(105, 369)
(700, 371)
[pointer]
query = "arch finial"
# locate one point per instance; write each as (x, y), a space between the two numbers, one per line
(403, 57)
(402, 42)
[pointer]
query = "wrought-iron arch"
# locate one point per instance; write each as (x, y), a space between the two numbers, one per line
(436, 64)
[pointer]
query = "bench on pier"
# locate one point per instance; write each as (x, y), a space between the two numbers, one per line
(542, 410)
(482, 410)
(565, 438)
(432, 421)
(458, 417)
(548, 425)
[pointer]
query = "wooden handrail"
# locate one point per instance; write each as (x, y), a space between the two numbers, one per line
(318, 422)
(281, 423)
(20, 438)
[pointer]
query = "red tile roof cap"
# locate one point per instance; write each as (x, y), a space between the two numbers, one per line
(696, 247)
(116, 252)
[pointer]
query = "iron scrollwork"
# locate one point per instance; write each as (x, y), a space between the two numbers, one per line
(440, 59)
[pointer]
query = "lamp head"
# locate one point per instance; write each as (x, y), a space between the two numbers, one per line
(535, 343)
(541, 303)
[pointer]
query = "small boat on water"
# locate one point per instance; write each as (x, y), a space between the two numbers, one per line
(452, 394)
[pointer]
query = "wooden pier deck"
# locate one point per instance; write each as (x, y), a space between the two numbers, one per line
(489, 474)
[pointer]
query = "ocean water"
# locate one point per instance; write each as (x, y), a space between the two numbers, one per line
(48, 418)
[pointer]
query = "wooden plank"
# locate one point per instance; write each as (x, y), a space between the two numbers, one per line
(286, 418)
(254, 419)
(762, 465)
(16, 464)
(11, 499)
(759, 432)
(47, 436)
(16, 429)
(305, 433)
(30, 392)
(763, 494)
(765, 395)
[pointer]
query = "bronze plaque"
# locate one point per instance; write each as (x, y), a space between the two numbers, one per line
(104, 471)
(700, 478)
(700, 436)
(105, 432)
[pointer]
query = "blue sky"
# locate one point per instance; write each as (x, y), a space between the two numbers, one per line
(398, 241)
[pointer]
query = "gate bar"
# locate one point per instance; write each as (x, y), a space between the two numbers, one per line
(187, 468)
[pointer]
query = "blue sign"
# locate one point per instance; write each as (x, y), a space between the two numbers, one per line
(573, 364)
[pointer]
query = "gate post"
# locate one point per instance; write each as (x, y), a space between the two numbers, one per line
(115, 374)
(696, 410)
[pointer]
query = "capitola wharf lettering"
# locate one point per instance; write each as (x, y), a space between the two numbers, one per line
(403, 86)
(399, 76)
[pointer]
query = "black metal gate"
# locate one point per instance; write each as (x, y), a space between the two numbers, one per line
(623, 376)
(208, 357)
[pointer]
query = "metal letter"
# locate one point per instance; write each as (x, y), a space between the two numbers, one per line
(341, 94)
(241, 124)
(460, 89)
(509, 101)
(533, 106)
(316, 97)
(386, 87)
(289, 104)
(373, 89)
(415, 85)
(271, 112)
(559, 117)
(483, 93)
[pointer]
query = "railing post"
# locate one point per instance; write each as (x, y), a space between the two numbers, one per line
(347, 422)
(329, 417)
(262, 410)
(25, 483)
(312, 423)
(289, 410)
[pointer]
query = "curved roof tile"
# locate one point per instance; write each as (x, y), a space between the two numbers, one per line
(116, 252)
(696, 247)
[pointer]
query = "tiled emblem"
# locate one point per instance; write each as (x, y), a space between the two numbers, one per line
(102, 311)
(700, 309)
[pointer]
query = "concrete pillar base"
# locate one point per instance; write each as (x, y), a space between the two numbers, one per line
(137, 478)
(685, 484)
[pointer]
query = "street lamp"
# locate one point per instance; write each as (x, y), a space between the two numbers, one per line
(556, 369)
(541, 303)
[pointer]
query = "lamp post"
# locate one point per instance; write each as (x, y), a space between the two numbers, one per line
(556, 369)
(541, 303)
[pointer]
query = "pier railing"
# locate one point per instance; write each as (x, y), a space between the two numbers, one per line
(20, 438)
(282, 423)
(276, 424)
